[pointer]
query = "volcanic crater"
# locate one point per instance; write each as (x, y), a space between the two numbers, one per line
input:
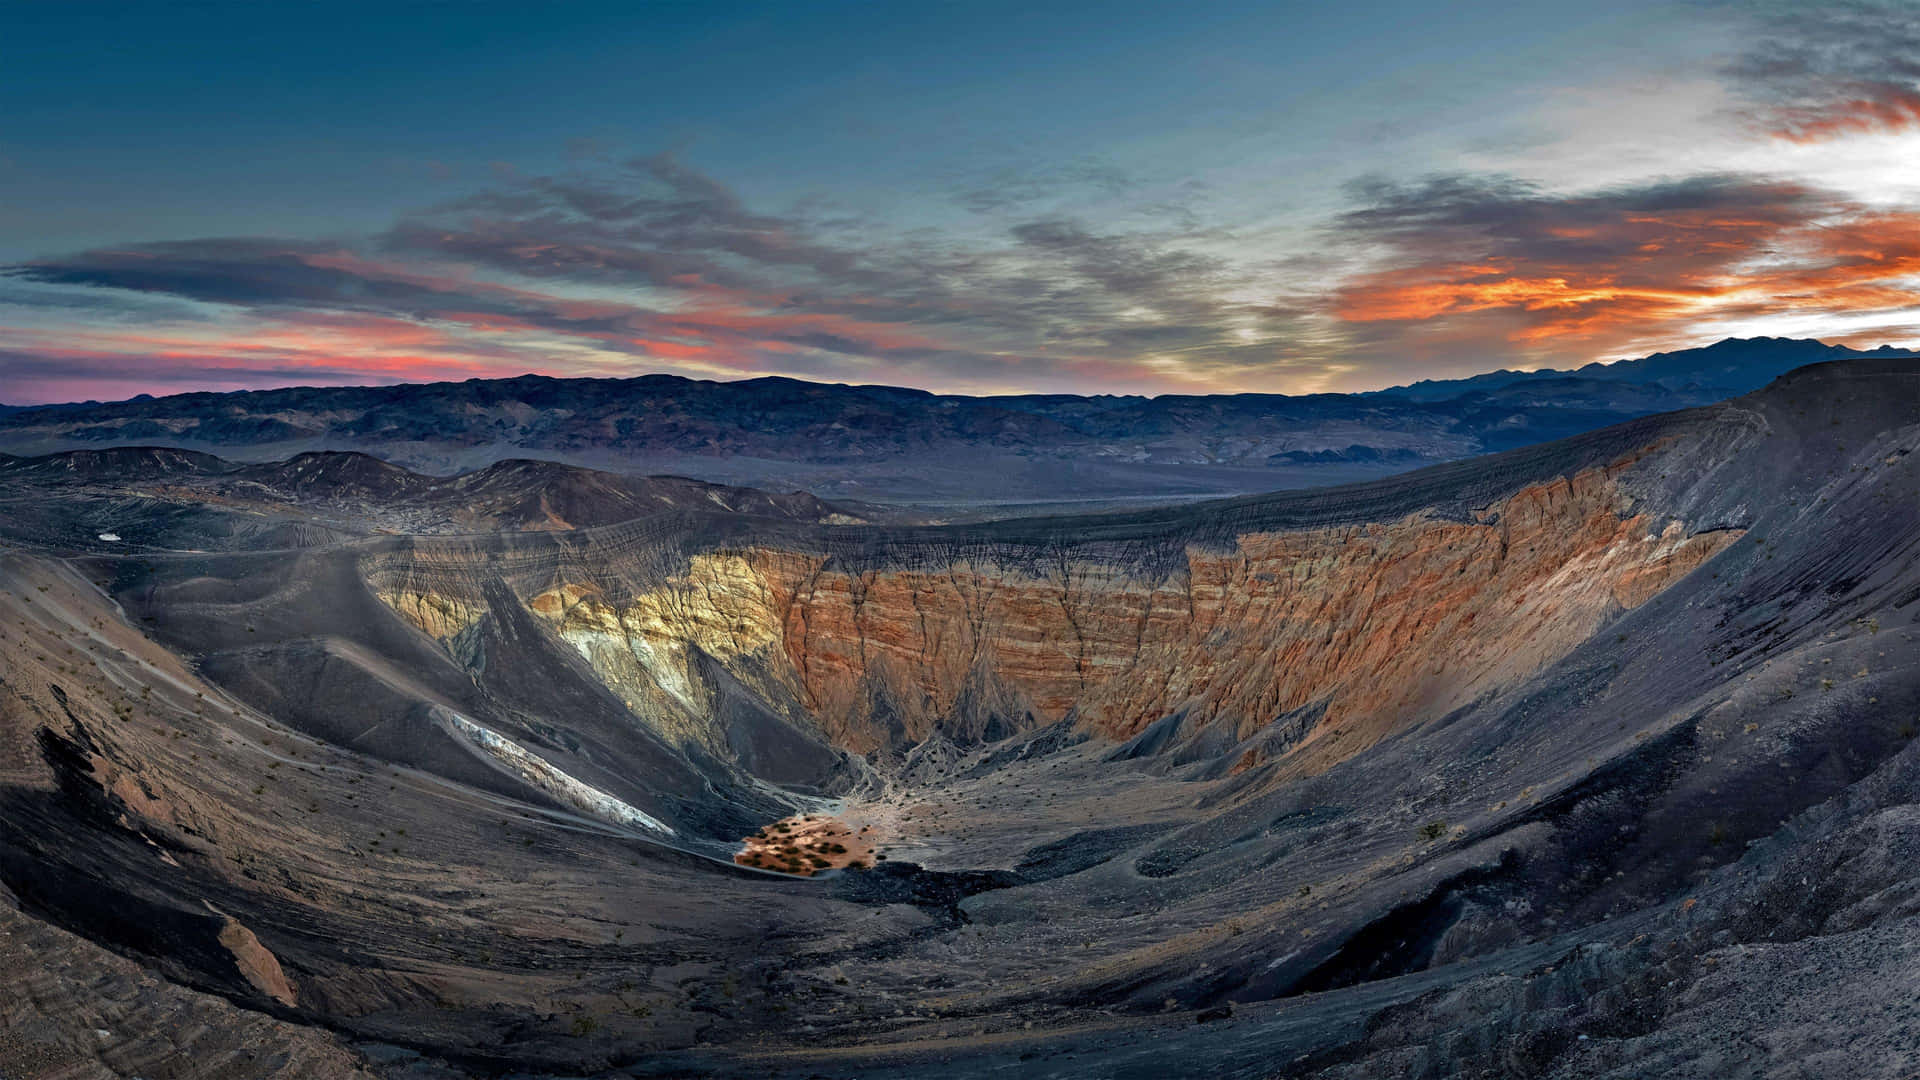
(1524, 753)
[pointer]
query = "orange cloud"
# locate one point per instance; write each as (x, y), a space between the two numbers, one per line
(1563, 278)
(1431, 294)
(1878, 109)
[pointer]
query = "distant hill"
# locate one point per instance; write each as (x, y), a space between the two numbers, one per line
(890, 443)
(142, 490)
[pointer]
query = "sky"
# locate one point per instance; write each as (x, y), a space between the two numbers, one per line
(1112, 197)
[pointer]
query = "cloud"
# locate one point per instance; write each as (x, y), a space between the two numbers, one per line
(1466, 263)
(622, 266)
(299, 282)
(260, 272)
(650, 220)
(649, 260)
(657, 224)
(1123, 266)
(1824, 71)
(34, 370)
(1870, 108)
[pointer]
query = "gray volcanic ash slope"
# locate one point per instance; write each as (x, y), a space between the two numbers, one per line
(1593, 758)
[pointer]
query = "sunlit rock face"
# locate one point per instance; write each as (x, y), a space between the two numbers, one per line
(442, 617)
(644, 647)
(1358, 629)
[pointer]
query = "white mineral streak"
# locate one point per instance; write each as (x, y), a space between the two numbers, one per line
(544, 775)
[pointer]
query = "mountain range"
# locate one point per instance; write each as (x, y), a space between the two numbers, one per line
(949, 452)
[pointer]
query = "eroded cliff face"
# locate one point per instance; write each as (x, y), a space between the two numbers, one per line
(1354, 630)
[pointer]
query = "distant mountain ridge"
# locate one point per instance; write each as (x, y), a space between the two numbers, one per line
(881, 443)
(1726, 368)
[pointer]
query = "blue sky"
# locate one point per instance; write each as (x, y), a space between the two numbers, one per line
(978, 197)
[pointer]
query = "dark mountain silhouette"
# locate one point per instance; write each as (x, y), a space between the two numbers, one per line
(889, 443)
(1711, 373)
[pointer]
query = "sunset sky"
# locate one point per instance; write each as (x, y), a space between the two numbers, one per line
(977, 197)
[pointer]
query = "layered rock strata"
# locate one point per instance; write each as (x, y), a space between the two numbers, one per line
(1367, 626)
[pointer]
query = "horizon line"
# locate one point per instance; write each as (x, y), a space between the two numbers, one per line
(142, 397)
